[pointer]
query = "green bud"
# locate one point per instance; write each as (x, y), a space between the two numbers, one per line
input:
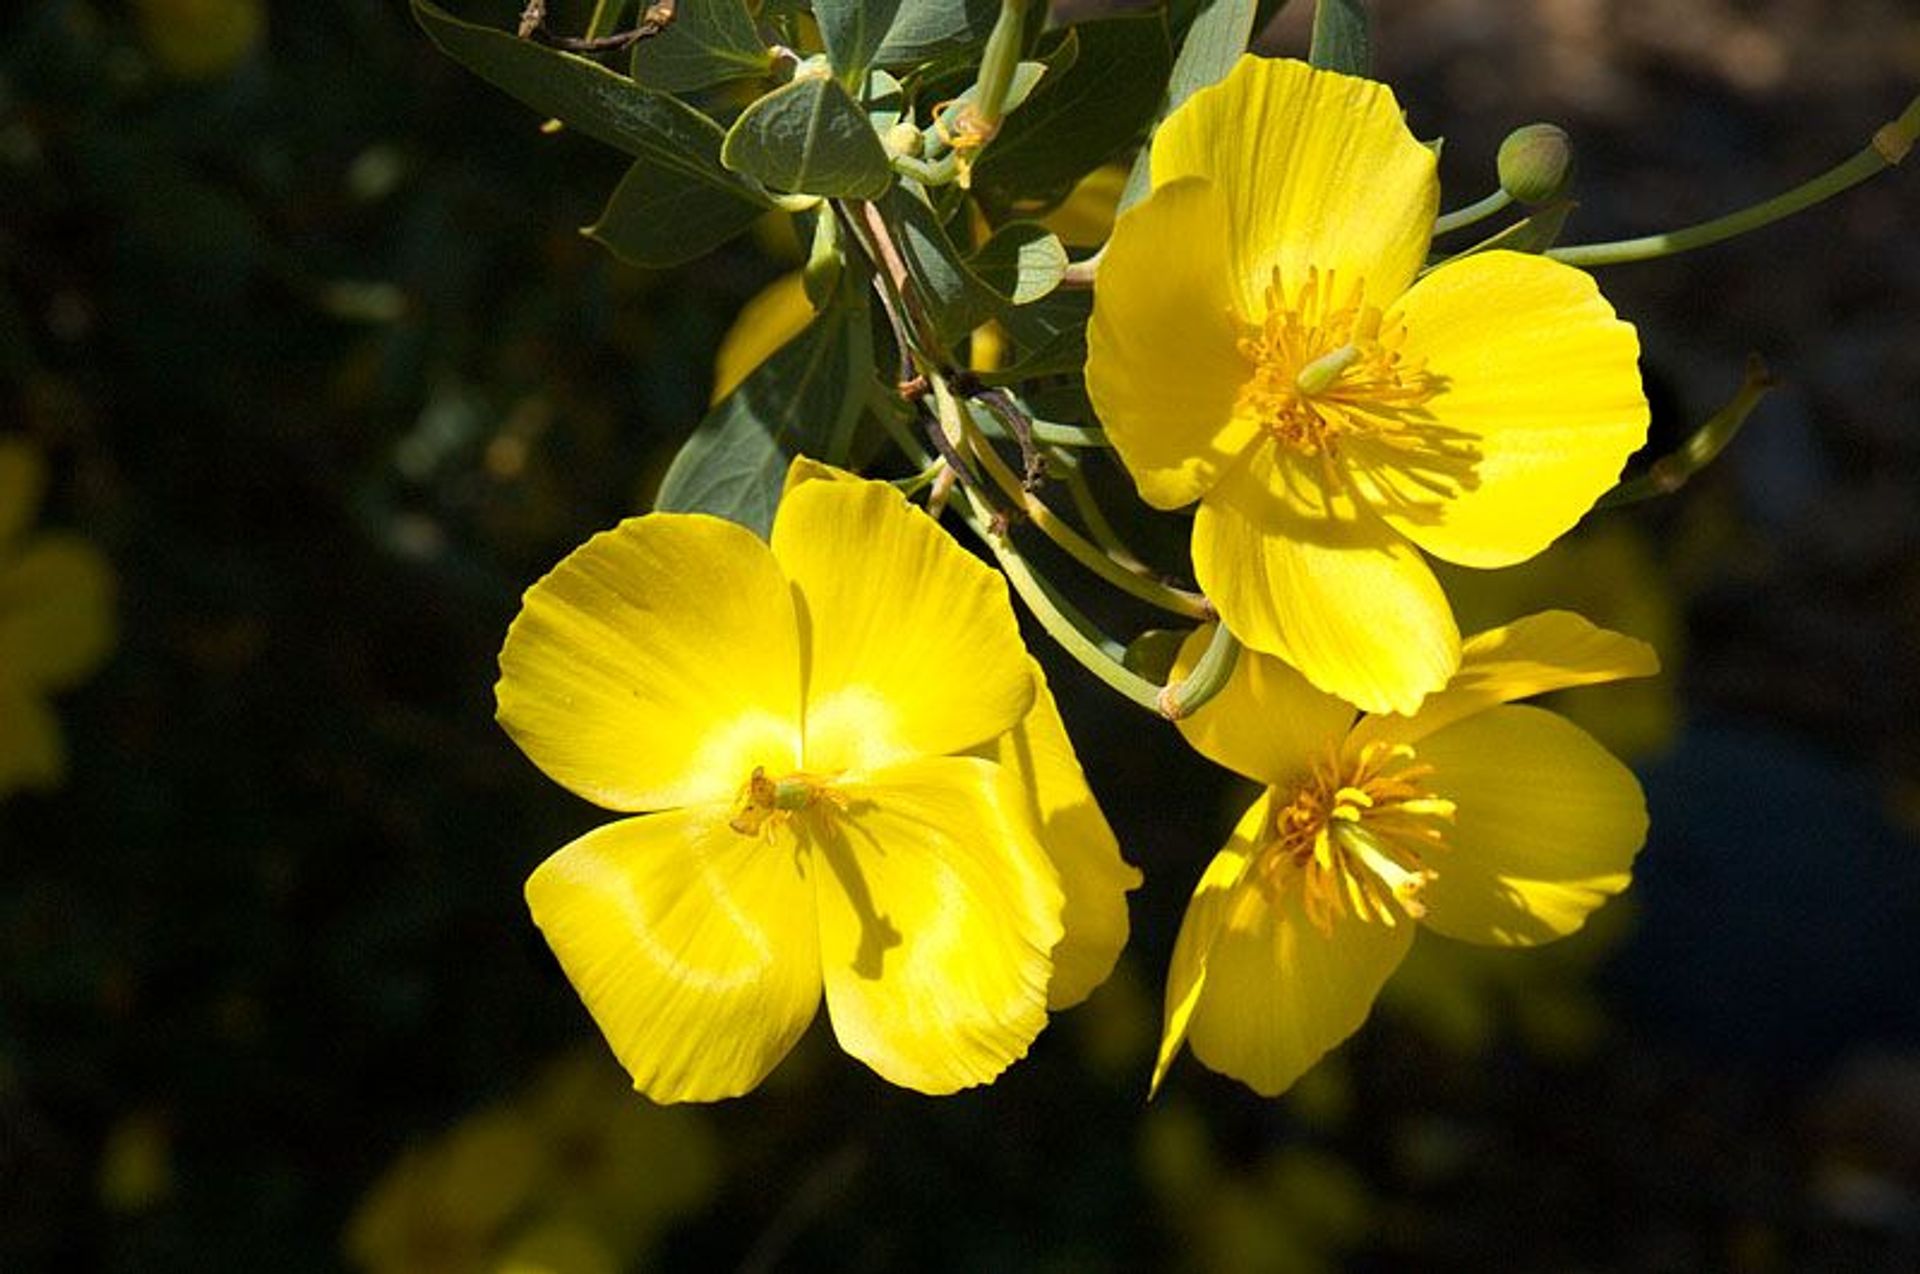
(903, 139)
(1536, 163)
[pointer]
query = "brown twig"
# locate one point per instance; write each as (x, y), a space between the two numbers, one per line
(656, 18)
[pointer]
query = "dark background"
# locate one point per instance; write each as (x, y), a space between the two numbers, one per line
(322, 364)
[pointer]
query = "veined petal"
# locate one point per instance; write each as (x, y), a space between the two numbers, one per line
(909, 642)
(1319, 172)
(56, 612)
(23, 480)
(1553, 650)
(1541, 381)
(937, 914)
(1273, 993)
(1213, 900)
(695, 947)
(1303, 572)
(32, 752)
(1267, 722)
(657, 665)
(1545, 828)
(1164, 367)
(1040, 774)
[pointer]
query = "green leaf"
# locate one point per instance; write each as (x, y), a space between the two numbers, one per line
(939, 272)
(1022, 262)
(862, 33)
(1214, 42)
(708, 42)
(1082, 113)
(885, 100)
(658, 217)
(1049, 336)
(806, 398)
(1215, 39)
(606, 106)
(1340, 40)
(853, 31)
(811, 138)
(925, 29)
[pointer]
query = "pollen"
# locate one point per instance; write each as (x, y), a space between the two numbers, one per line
(1328, 367)
(765, 804)
(1357, 835)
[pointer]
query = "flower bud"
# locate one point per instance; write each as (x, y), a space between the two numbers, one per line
(903, 139)
(1535, 163)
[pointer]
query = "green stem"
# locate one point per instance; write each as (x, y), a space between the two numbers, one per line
(998, 62)
(1055, 435)
(1460, 218)
(1888, 147)
(1670, 472)
(1065, 465)
(937, 172)
(1072, 631)
(1071, 542)
(1208, 678)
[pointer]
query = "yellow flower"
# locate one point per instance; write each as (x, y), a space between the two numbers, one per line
(1485, 821)
(861, 785)
(56, 623)
(1260, 344)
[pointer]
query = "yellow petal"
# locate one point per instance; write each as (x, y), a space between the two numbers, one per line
(1306, 574)
(777, 314)
(1545, 828)
(1261, 992)
(56, 612)
(695, 948)
(937, 913)
(32, 753)
(1267, 722)
(23, 480)
(1554, 650)
(804, 469)
(657, 665)
(1541, 381)
(909, 642)
(1213, 900)
(1319, 172)
(1164, 367)
(1040, 774)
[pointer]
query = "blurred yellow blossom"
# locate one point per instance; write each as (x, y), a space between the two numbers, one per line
(572, 1177)
(1292, 1211)
(200, 39)
(849, 777)
(56, 623)
(1263, 342)
(1608, 572)
(1482, 820)
(136, 1165)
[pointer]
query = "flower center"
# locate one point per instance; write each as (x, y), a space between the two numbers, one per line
(766, 805)
(1358, 832)
(1328, 366)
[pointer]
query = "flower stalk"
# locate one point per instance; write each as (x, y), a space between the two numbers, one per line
(1889, 146)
